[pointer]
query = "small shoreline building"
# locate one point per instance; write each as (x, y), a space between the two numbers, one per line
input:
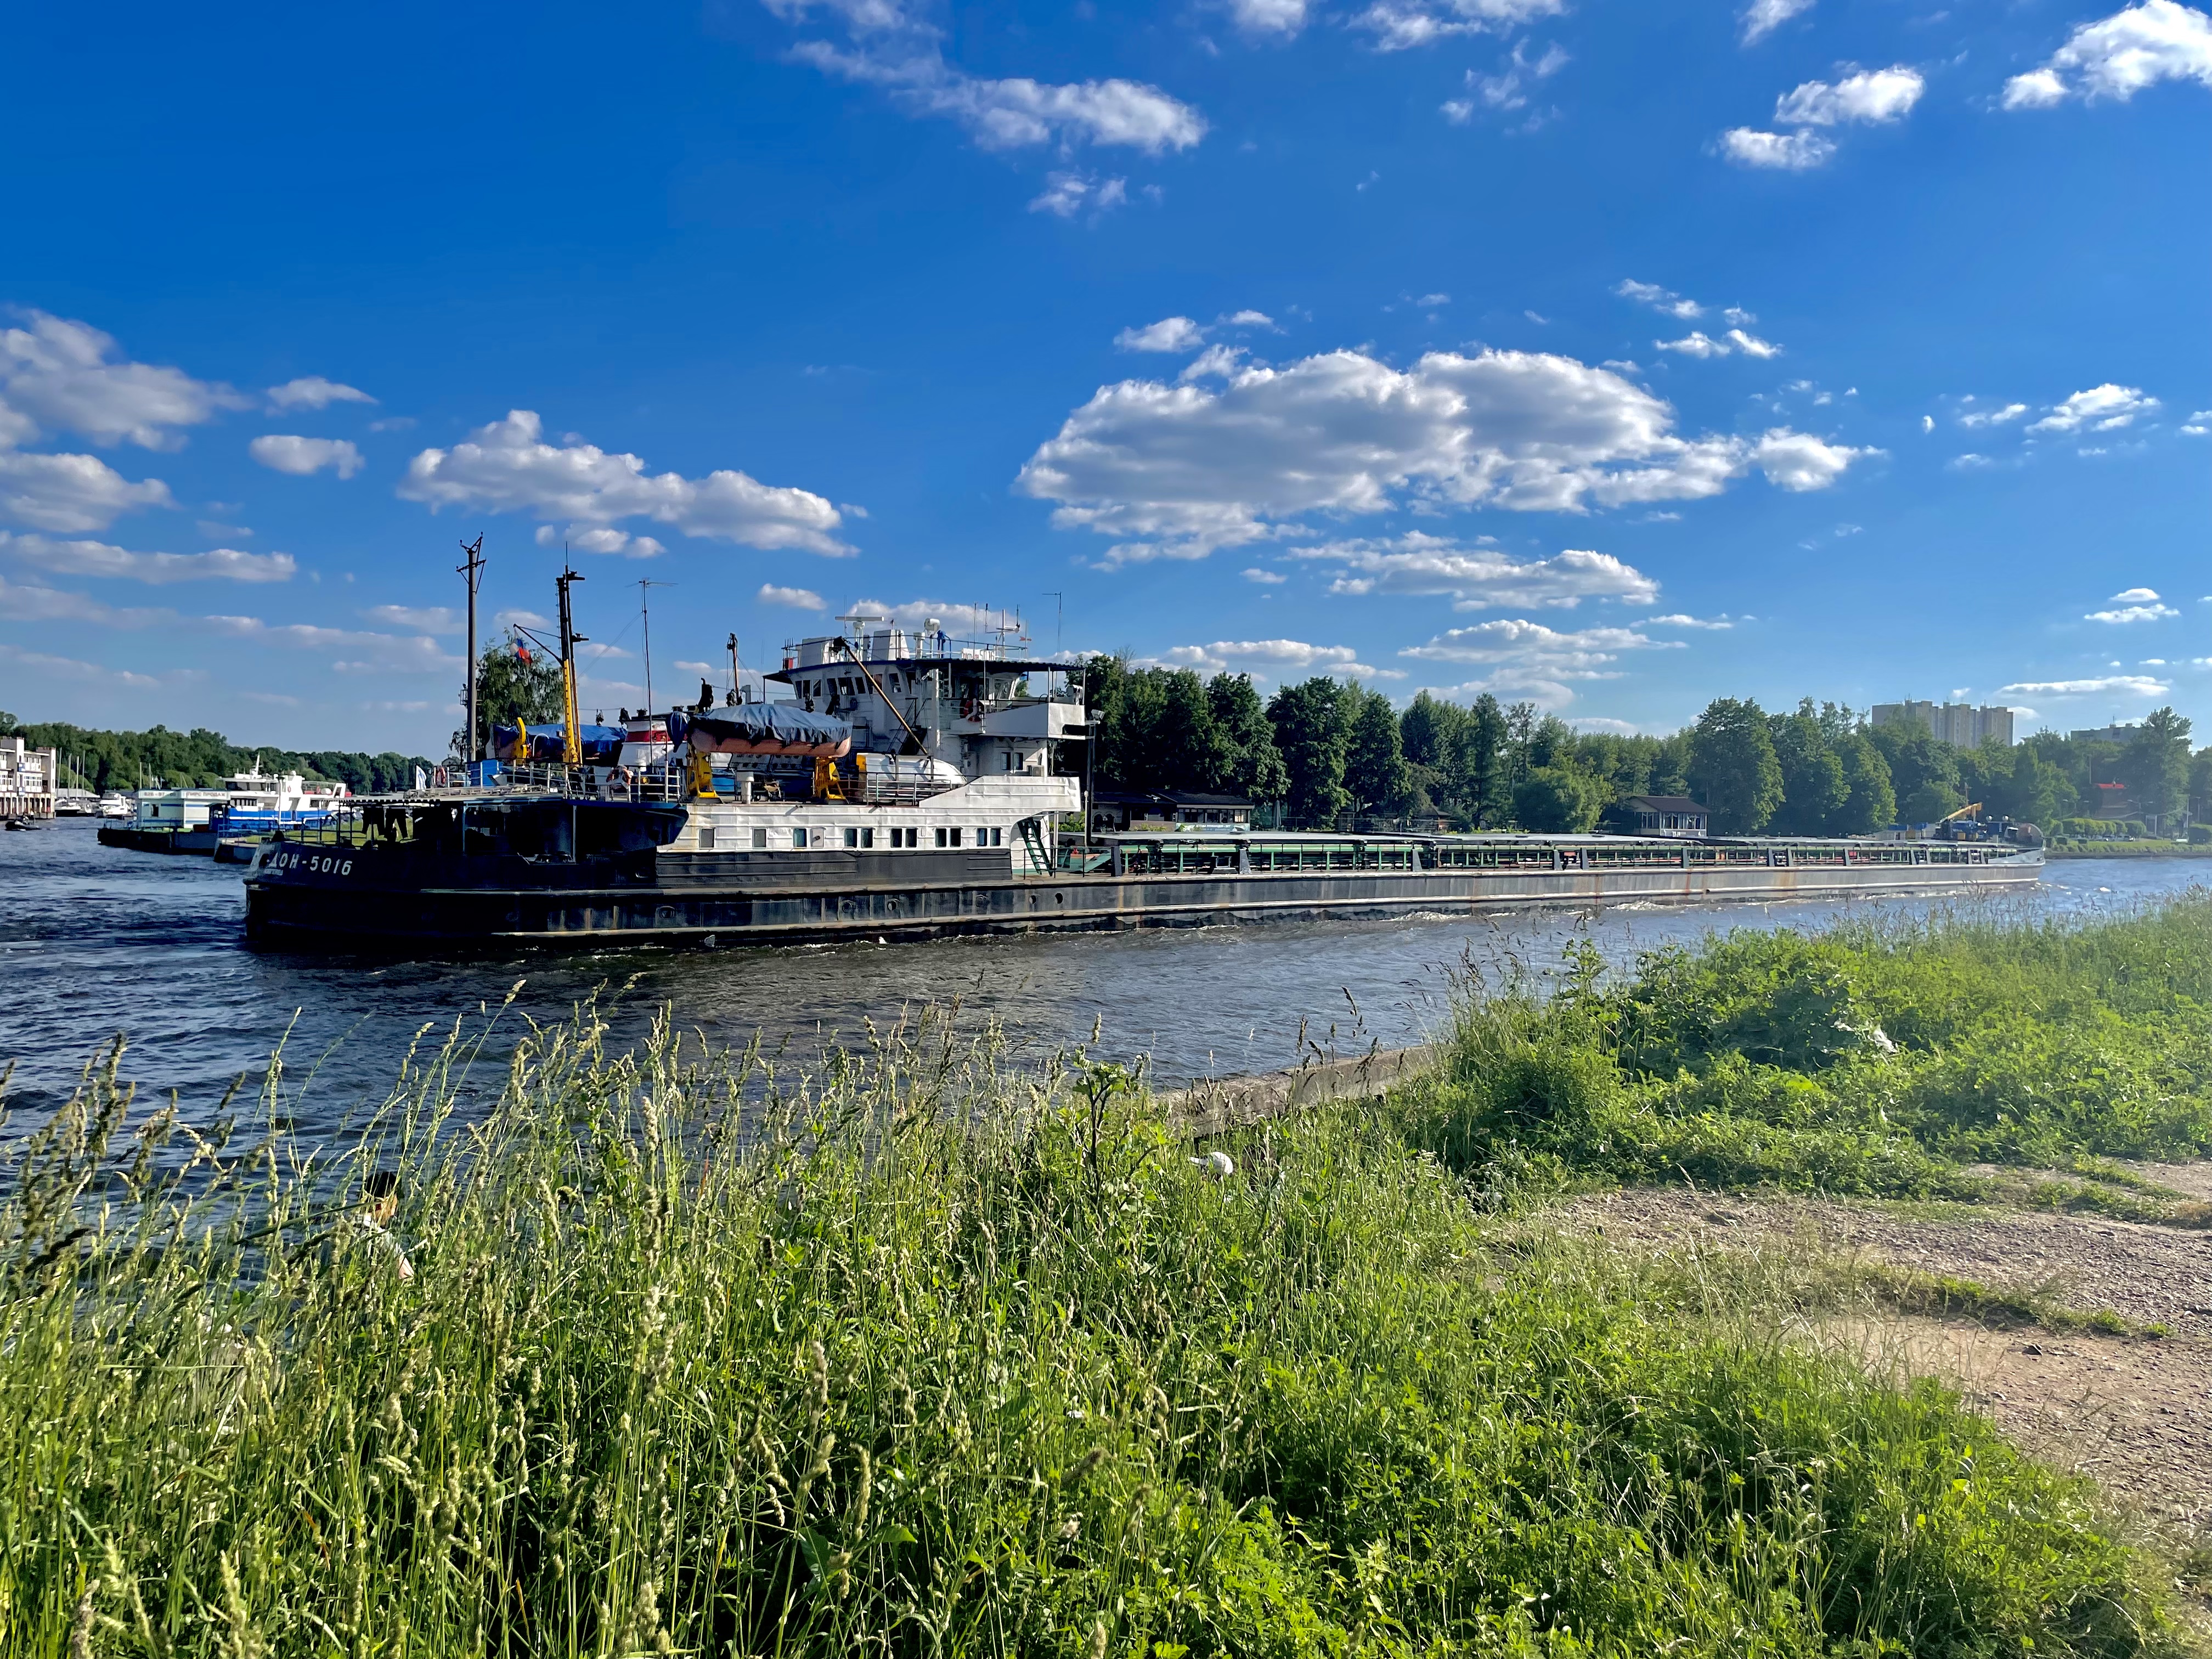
(1667, 814)
(28, 777)
(1114, 812)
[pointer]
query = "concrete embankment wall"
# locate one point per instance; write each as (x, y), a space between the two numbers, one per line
(1216, 1106)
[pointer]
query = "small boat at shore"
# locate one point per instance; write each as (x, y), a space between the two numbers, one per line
(916, 785)
(250, 803)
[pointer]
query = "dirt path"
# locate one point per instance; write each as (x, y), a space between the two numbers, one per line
(2134, 1413)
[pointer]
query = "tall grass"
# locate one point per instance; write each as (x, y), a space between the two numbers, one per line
(1868, 1059)
(925, 1357)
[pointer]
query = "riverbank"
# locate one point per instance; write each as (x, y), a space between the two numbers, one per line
(2131, 849)
(677, 1350)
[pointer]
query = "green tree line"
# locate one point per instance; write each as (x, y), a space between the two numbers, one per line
(198, 759)
(1329, 754)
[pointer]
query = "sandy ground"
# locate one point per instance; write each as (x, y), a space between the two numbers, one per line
(2134, 1413)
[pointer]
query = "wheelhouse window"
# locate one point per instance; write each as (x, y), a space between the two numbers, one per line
(799, 838)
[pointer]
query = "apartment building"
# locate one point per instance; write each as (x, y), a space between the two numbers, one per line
(1959, 724)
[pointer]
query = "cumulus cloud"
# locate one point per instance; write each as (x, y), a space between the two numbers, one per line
(2132, 604)
(2139, 685)
(2118, 55)
(70, 668)
(1478, 577)
(1400, 24)
(793, 598)
(424, 618)
(70, 493)
(87, 558)
(1178, 470)
(1978, 418)
(1682, 619)
(507, 465)
(1066, 194)
(615, 544)
(303, 457)
(1873, 96)
(1273, 660)
(35, 602)
(2105, 408)
(1793, 152)
(346, 650)
(1659, 299)
(1169, 334)
(1528, 659)
(57, 374)
(1695, 343)
(313, 391)
(1508, 88)
(1265, 578)
(1762, 17)
(1282, 18)
(894, 50)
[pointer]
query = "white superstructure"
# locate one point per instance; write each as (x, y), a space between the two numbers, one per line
(247, 800)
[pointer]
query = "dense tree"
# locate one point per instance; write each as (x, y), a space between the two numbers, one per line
(1871, 805)
(1732, 766)
(1312, 730)
(200, 759)
(2021, 785)
(1813, 787)
(1923, 770)
(1254, 766)
(1186, 746)
(1375, 772)
(1486, 786)
(515, 686)
(2155, 767)
(1558, 800)
(2200, 787)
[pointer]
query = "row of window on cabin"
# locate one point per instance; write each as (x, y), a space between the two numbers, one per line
(863, 838)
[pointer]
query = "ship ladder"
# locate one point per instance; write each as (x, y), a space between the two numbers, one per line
(1033, 838)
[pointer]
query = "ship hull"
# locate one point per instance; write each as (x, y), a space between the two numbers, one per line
(978, 894)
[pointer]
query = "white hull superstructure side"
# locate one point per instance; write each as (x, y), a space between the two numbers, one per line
(1016, 813)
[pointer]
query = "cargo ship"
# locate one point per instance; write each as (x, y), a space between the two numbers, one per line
(908, 784)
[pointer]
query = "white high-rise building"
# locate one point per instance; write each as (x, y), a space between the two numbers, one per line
(1959, 724)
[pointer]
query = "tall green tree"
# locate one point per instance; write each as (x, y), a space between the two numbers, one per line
(1255, 766)
(1485, 770)
(2027, 789)
(1187, 749)
(513, 689)
(1870, 807)
(1732, 766)
(1313, 730)
(1558, 800)
(1374, 773)
(2155, 767)
(1923, 770)
(1813, 787)
(2200, 787)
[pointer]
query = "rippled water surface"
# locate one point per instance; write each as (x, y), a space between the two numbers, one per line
(95, 940)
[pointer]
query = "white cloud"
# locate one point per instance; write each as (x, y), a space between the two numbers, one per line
(1872, 96)
(1530, 659)
(1278, 17)
(35, 602)
(2132, 604)
(1249, 319)
(101, 559)
(2138, 685)
(1659, 299)
(1274, 659)
(898, 52)
(1508, 88)
(1481, 579)
(1399, 24)
(508, 466)
(56, 374)
(1169, 334)
(70, 493)
(794, 599)
(2199, 424)
(1682, 620)
(303, 457)
(1265, 578)
(1968, 461)
(70, 668)
(1178, 470)
(428, 619)
(1752, 346)
(1458, 111)
(1695, 343)
(1976, 418)
(2118, 55)
(1429, 300)
(1762, 17)
(366, 651)
(1793, 151)
(313, 391)
(521, 619)
(1217, 360)
(615, 544)
(2105, 408)
(1066, 194)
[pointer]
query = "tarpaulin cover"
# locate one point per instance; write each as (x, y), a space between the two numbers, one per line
(763, 728)
(602, 744)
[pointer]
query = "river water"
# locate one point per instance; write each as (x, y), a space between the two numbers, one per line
(97, 941)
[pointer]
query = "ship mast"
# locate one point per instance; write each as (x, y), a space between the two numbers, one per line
(572, 739)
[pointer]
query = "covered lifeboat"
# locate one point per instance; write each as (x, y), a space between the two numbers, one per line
(763, 728)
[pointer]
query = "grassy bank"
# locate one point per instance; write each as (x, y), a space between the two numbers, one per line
(1875, 1059)
(923, 1358)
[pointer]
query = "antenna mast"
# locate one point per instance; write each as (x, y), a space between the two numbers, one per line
(473, 572)
(645, 624)
(572, 733)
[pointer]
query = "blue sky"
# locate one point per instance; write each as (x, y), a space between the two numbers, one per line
(1614, 355)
